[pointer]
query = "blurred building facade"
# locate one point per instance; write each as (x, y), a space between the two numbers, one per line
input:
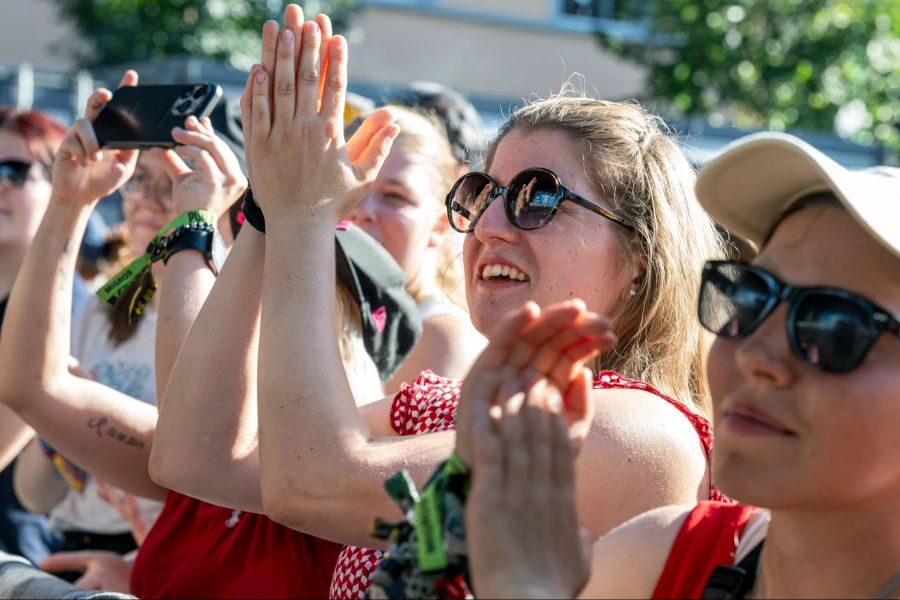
(497, 52)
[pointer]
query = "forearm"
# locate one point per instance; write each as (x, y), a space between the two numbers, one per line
(35, 483)
(209, 412)
(322, 471)
(14, 435)
(187, 281)
(34, 349)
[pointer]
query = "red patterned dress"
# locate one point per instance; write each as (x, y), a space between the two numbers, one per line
(429, 405)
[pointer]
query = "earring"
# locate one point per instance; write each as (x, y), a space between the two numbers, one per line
(632, 292)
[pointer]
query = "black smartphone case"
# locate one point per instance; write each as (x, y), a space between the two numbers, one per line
(143, 116)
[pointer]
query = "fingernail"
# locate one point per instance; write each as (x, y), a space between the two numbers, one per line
(338, 41)
(312, 27)
(261, 77)
(287, 36)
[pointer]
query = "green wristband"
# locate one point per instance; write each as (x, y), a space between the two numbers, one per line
(127, 276)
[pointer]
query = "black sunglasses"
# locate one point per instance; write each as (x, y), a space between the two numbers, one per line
(15, 172)
(531, 200)
(829, 328)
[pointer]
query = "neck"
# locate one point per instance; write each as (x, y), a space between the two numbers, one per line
(11, 259)
(424, 282)
(846, 552)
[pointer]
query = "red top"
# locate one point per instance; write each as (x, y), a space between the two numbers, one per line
(199, 550)
(708, 538)
(428, 405)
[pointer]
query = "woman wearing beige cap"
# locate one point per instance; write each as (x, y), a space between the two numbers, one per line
(805, 379)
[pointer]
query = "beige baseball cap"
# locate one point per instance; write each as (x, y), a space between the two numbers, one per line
(748, 187)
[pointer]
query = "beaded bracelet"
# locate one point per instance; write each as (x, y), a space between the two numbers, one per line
(253, 213)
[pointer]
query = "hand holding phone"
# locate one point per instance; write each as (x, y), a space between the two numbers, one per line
(141, 117)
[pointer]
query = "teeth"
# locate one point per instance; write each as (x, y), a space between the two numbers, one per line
(494, 271)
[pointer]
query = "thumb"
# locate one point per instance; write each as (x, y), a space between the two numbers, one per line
(67, 561)
(373, 155)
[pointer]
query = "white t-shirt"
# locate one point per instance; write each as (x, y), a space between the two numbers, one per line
(129, 369)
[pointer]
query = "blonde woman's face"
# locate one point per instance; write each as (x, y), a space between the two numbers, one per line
(147, 200)
(402, 210)
(789, 435)
(576, 255)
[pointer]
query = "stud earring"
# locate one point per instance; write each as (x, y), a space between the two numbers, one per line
(632, 292)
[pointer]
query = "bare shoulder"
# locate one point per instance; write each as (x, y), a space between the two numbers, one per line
(628, 561)
(641, 453)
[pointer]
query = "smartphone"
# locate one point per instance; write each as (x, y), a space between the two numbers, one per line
(143, 116)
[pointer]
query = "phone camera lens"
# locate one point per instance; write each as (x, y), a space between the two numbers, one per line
(199, 92)
(185, 94)
(184, 107)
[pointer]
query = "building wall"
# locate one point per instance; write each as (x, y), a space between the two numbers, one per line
(484, 57)
(28, 30)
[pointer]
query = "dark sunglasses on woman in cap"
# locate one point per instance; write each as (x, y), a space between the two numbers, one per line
(531, 200)
(14, 172)
(829, 328)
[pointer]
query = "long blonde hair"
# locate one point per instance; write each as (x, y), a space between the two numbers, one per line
(640, 170)
(423, 136)
(362, 374)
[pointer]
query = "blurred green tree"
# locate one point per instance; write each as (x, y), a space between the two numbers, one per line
(830, 65)
(119, 31)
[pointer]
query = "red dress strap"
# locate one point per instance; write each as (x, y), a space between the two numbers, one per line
(612, 380)
(708, 538)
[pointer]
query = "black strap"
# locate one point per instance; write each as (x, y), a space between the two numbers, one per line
(731, 582)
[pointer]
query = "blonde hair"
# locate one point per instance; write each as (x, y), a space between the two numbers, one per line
(422, 135)
(362, 374)
(640, 170)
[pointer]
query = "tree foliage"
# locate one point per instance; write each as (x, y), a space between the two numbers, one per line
(774, 63)
(118, 31)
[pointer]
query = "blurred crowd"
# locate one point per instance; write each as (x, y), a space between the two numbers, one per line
(345, 350)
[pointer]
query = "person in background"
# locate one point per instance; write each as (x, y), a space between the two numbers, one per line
(28, 143)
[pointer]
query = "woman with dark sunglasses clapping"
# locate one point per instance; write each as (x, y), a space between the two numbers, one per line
(625, 237)
(805, 381)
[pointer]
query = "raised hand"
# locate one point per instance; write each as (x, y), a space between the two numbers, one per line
(82, 172)
(522, 527)
(554, 344)
(215, 182)
(300, 162)
(126, 505)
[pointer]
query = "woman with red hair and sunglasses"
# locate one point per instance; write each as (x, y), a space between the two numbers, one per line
(582, 199)
(28, 142)
(805, 381)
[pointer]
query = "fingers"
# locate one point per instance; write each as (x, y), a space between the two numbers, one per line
(95, 103)
(284, 92)
(202, 160)
(129, 78)
(324, 50)
(201, 137)
(373, 156)
(579, 409)
(67, 561)
(308, 71)
(247, 106)
(261, 120)
(293, 20)
(359, 141)
(334, 90)
(269, 48)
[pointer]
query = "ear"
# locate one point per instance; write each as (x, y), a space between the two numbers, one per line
(638, 269)
(438, 234)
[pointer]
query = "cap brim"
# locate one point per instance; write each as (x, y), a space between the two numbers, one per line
(748, 187)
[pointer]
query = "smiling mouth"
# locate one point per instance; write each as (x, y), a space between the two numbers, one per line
(492, 272)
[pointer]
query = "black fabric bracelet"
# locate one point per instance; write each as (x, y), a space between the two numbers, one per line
(253, 213)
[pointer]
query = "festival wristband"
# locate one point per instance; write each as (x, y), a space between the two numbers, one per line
(126, 277)
(253, 213)
(431, 509)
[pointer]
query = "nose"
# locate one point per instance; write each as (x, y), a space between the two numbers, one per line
(364, 212)
(494, 224)
(765, 355)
